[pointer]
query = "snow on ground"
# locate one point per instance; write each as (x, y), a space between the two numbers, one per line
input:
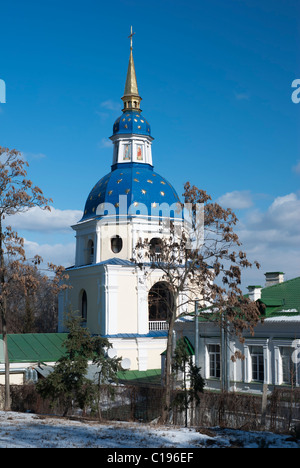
(21, 430)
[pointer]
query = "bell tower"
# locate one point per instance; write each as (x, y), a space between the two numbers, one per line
(109, 291)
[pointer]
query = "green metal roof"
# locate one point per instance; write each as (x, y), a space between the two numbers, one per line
(188, 346)
(282, 298)
(35, 347)
(151, 376)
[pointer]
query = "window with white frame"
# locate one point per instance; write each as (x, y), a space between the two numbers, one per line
(288, 366)
(214, 355)
(257, 360)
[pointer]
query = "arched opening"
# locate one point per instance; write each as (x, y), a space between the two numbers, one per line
(90, 252)
(116, 244)
(83, 305)
(160, 303)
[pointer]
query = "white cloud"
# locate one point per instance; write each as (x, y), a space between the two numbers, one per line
(40, 220)
(59, 254)
(282, 217)
(297, 168)
(31, 156)
(105, 143)
(242, 96)
(272, 238)
(236, 200)
(109, 104)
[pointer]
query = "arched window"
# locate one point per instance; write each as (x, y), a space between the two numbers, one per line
(84, 305)
(90, 252)
(155, 248)
(160, 301)
(116, 244)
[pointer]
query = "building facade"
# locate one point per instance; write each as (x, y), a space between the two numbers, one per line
(271, 356)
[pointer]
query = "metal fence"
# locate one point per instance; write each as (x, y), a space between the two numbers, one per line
(145, 404)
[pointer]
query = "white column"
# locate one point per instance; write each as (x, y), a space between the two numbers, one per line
(142, 352)
(247, 365)
(278, 366)
(112, 302)
(142, 303)
(98, 246)
(266, 363)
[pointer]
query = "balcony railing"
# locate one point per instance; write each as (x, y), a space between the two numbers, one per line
(157, 325)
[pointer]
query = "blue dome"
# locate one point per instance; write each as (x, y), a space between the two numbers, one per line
(132, 122)
(132, 188)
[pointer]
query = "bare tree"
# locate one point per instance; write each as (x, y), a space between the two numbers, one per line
(17, 195)
(32, 296)
(200, 259)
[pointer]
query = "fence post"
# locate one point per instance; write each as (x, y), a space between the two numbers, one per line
(264, 404)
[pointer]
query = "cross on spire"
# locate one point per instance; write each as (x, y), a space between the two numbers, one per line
(131, 36)
(131, 96)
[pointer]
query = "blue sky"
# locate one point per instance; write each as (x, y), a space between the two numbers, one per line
(215, 77)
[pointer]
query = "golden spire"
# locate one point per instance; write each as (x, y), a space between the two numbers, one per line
(131, 96)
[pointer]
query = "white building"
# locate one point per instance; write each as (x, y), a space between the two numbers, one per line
(271, 356)
(111, 293)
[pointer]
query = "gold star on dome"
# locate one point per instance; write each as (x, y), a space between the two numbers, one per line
(143, 191)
